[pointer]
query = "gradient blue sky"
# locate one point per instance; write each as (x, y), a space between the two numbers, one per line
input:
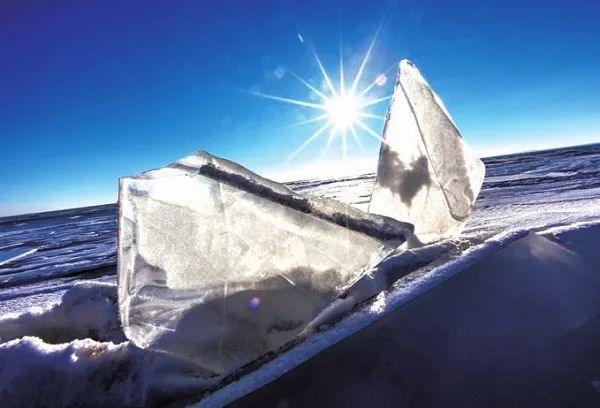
(93, 90)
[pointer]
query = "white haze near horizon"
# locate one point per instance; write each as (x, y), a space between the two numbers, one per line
(317, 169)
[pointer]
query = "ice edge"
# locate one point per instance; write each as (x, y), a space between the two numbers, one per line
(377, 226)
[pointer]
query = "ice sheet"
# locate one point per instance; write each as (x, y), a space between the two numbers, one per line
(219, 265)
(426, 173)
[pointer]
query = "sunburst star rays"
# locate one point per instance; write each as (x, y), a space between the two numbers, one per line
(342, 110)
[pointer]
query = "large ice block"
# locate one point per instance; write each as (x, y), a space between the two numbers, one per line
(219, 265)
(426, 174)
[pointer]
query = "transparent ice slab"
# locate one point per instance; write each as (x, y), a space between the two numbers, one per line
(220, 266)
(426, 174)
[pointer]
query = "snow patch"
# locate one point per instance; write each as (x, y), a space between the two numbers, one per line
(90, 373)
(87, 310)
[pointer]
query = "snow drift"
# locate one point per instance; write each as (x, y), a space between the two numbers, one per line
(88, 373)
(75, 353)
(88, 310)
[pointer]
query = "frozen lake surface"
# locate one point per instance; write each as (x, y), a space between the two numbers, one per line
(44, 255)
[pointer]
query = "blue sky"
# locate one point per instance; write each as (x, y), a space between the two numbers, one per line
(93, 90)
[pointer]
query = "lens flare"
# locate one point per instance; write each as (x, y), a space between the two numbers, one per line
(254, 303)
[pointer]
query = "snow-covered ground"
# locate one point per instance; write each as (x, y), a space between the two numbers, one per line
(514, 322)
(526, 262)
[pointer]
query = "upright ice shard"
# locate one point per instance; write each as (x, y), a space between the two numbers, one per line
(219, 265)
(426, 175)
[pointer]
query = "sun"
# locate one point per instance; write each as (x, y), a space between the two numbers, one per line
(343, 110)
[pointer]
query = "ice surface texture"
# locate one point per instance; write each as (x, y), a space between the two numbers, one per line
(426, 173)
(220, 265)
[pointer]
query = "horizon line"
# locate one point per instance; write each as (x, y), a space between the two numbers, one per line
(54, 211)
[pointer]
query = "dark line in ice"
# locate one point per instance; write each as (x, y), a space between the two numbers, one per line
(380, 227)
